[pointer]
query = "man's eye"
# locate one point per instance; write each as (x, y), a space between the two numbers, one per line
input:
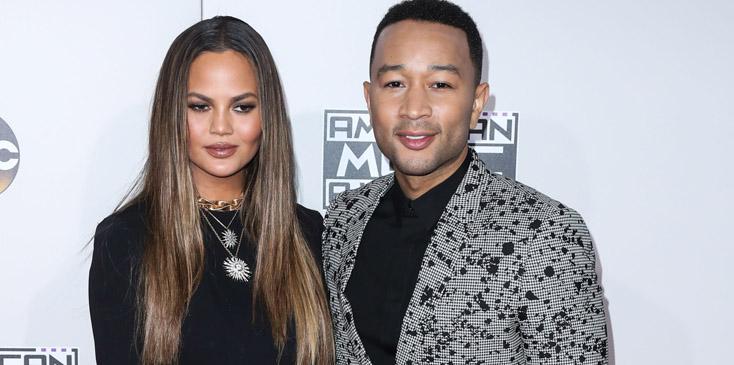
(394, 84)
(198, 107)
(244, 108)
(441, 85)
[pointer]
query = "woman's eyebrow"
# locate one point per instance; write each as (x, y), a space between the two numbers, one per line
(234, 98)
(200, 96)
(243, 96)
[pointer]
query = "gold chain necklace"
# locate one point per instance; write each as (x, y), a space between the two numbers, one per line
(222, 205)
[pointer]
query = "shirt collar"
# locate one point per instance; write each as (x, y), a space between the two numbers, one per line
(429, 206)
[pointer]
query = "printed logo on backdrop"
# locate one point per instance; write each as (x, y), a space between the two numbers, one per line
(9, 156)
(40, 355)
(352, 158)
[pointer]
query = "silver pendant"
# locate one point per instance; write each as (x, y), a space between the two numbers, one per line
(237, 269)
(229, 238)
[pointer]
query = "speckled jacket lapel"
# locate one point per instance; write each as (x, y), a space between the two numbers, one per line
(450, 233)
(344, 225)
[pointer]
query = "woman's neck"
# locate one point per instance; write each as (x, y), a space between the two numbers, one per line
(218, 188)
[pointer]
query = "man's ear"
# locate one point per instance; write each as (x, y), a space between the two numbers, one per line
(481, 94)
(366, 85)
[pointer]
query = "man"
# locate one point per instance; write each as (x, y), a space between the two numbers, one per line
(443, 261)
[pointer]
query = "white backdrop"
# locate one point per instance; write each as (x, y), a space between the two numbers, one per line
(624, 110)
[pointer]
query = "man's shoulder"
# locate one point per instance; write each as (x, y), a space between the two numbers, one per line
(514, 212)
(516, 198)
(366, 193)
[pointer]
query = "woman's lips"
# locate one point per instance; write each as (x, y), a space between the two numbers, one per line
(415, 141)
(221, 150)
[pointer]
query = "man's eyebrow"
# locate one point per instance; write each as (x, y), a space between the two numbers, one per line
(448, 67)
(387, 68)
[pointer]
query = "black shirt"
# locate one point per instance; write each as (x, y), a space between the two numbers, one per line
(388, 262)
(219, 326)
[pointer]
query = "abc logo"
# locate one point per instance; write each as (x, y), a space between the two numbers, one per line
(9, 155)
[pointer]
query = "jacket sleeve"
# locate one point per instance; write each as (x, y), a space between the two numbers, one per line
(112, 295)
(561, 310)
(331, 239)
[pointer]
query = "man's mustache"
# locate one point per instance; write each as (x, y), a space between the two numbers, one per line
(412, 125)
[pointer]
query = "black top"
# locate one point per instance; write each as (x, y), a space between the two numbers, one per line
(218, 327)
(388, 262)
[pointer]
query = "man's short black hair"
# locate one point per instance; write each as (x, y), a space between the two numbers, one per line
(436, 11)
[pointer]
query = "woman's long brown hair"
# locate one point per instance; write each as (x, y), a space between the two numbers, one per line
(287, 282)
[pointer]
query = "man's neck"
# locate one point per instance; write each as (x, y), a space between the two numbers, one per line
(415, 186)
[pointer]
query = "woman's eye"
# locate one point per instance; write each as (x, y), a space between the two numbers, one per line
(393, 84)
(198, 107)
(244, 108)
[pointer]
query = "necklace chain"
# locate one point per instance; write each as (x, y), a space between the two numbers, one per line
(220, 222)
(239, 241)
(229, 237)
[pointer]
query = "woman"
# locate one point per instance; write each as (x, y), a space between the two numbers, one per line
(210, 262)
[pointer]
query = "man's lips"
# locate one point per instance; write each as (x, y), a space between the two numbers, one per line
(221, 150)
(415, 140)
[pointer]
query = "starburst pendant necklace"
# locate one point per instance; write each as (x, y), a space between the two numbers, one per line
(235, 268)
(227, 237)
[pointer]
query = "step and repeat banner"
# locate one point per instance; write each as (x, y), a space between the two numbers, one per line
(618, 109)
(352, 158)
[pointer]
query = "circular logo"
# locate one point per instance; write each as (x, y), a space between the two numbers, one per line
(9, 155)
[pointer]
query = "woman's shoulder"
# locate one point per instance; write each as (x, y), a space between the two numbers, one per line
(311, 225)
(308, 217)
(122, 232)
(118, 248)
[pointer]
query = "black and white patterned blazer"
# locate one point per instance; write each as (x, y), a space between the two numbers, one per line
(508, 278)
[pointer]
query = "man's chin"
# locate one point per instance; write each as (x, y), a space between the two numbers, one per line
(414, 167)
